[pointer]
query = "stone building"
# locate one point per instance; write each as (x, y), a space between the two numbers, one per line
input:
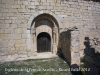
(41, 28)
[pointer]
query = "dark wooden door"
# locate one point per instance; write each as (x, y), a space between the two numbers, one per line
(43, 42)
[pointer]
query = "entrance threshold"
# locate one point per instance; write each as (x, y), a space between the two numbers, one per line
(44, 55)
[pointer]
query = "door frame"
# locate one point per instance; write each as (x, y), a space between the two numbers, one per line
(47, 37)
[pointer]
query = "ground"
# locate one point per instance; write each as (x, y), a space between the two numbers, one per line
(51, 66)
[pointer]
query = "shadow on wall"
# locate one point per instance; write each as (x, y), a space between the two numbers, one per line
(64, 46)
(93, 0)
(92, 59)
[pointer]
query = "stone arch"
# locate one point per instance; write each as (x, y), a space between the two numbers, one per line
(47, 17)
(45, 21)
(36, 14)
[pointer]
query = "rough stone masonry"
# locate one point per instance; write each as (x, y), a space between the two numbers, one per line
(22, 21)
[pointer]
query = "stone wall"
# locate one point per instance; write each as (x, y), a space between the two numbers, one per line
(69, 46)
(64, 45)
(17, 15)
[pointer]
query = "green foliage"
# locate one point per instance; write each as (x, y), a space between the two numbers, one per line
(54, 63)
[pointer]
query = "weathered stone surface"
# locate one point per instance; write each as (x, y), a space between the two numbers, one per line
(4, 25)
(16, 36)
(9, 31)
(19, 32)
(17, 45)
(6, 43)
(2, 30)
(1, 43)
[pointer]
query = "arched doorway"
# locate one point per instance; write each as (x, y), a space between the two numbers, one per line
(43, 42)
(45, 24)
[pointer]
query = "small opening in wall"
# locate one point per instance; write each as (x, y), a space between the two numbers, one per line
(43, 42)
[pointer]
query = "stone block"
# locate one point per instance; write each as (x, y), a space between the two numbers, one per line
(36, 3)
(13, 21)
(25, 3)
(49, 7)
(0, 14)
(22, 26)
(21, 48)
(3, 58)
(46, 4)
(52, 4)
(15, 56)
(43, 0)
(62, 15)
(24, 45)
(13, 10)
(4, 10)
(56, 8)
(57, 13)
(76, 54)
(51, 1)
(1, 43)
(6, 43)
(22, 56)
(13, 18)
(24, 36)
(22, 6)
(75, 58)
(22, 52)
(8, 6)
(10, 14)
(16, 36)
(42, 7)
(13, 26)
(2, 6)
(2, 36)
(17, 48)
(18, 2)
(4, 51)
(31, 53)
(8, 21)
(18, 45)
(23, 10)
(21, 41)
(57, 4)
(9, 31)
(7, 36)
(0, 1)
(19, 30)
(11, 43)
(32, 11)
(16, 6)
(13, 49)
(4, 14)
(31, 7)
(8, 1)
(32, 3)
(2, 30)
(7, 18)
